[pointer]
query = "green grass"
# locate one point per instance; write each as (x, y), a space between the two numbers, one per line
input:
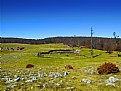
(11, 61)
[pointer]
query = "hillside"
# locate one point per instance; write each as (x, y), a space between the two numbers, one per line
(49, 73)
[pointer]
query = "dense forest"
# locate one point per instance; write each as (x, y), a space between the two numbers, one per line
(109, 44)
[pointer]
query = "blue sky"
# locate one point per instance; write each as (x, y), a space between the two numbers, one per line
(49, 18)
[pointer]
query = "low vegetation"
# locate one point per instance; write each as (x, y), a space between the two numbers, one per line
(108, 68)
(23, 70)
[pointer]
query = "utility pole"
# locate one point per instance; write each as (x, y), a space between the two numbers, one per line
(91, 51)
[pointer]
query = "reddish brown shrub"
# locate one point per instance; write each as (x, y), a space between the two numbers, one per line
(68, 66)
(108, 68)
(29, 65)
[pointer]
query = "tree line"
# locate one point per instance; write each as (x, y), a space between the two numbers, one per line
(108, 44)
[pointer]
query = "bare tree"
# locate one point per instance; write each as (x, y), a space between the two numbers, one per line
(116, 37)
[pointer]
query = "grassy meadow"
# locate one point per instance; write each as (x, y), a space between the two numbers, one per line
(13, 64)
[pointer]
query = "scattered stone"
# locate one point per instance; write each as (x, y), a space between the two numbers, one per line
(61, 81)
(4, 79)
(11, 86)
(30, 73)
(40, 55)
(88, 81)
(29, 81)
(40, 68)
(44, 85)
(55, 74)
(18, 71)
(38, 85)
(52, 81)
(9, 80)
(15, 76)
(43, 74)
(31, 87)
(66, 73)
(110, 84)
(73, 77)
(17, 79)
(57, 85)
(51, 78)
(70, 88)
(111, 79)
(34, 78)
(89, 71)
(77, 51)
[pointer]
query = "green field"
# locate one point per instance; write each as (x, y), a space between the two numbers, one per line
(13, 63)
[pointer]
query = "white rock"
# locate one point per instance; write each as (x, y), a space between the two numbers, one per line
(111, 79)
(89, 71)
(57, 85)
(16, 79)
(66, 73)
(34, 78)
(70, 88)
(55, 74)
(0, 70)
(52, 81)
(4, 79)
(88, 81)
(9, 80)
(61, 81)
(31, 73)
(44, 85)
(15, 76)
(29, 81)
(110, 84)
(77, 51)
(11, 86)
(73, 77)
(40, 68)
(43, 74)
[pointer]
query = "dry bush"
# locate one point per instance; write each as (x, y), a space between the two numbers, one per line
(29, 65)
(107, 68)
